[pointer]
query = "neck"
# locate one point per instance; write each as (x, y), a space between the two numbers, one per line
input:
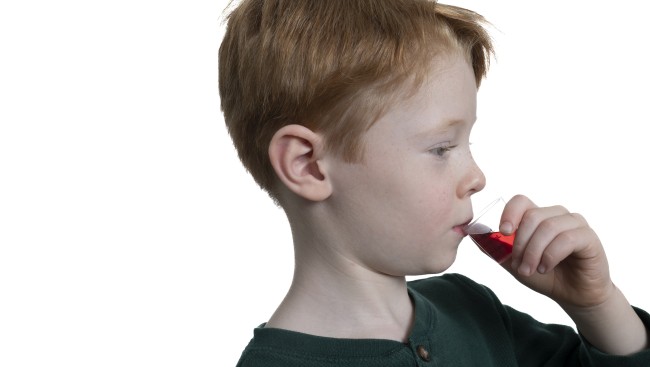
(333, 296)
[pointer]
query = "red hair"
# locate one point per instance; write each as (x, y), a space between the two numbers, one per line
(332, 66)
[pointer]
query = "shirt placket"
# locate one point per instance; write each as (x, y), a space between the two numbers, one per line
(423, 352)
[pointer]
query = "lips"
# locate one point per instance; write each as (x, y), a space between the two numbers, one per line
(461, 227)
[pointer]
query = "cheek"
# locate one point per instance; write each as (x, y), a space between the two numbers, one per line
(434, 212)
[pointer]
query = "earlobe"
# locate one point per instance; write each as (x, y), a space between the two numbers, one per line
(296, 155)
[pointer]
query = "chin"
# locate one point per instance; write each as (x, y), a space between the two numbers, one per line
(435, 267)
(443, 264)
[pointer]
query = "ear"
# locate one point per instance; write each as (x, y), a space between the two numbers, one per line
(296, 154)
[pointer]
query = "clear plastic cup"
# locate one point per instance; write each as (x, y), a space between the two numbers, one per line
(484, 231)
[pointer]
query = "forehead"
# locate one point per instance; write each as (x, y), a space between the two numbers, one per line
(445, 98)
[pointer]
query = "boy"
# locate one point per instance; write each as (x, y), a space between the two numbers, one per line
(355, 117)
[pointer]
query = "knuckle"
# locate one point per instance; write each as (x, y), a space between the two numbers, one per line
(566, 237)
(549, 258)
(519, 197)
(532, 216)
(560, 208)
(578, 217)
(548, 225)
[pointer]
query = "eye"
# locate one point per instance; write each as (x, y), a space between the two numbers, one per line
(441, 151)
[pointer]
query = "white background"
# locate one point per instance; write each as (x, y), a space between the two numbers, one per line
(130, 234)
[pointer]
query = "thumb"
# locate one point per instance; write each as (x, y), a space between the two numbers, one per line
(513, 213)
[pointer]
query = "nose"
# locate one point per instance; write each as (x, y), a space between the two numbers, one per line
(473, 180)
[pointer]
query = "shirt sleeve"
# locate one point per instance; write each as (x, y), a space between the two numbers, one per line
(540, 344)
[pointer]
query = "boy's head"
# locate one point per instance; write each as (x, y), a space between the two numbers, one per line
(333, 67)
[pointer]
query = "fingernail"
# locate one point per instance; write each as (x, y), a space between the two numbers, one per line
(524, 269)
(541, 269)
(505, 228)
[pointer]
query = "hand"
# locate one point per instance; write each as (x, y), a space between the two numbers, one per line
(557, 254)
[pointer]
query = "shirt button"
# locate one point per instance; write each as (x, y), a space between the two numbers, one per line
(423, 353)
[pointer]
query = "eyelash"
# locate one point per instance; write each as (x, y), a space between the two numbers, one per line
(442, 151)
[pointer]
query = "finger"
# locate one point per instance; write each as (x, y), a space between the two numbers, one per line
(528, 225)
(564, 244)
(545, 233)
(513, 212)
(510, 219)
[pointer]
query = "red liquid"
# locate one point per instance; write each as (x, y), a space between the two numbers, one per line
(495, 244)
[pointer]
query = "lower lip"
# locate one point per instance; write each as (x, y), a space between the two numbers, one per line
(459, 230)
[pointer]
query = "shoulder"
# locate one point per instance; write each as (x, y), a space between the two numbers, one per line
(453, 291)
(450, 284)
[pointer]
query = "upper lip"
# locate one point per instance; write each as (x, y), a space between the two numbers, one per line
(468, 221)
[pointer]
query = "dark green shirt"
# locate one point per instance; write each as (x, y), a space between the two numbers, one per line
(457, 323)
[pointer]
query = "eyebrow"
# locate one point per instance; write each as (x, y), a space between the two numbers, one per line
(437, 130)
